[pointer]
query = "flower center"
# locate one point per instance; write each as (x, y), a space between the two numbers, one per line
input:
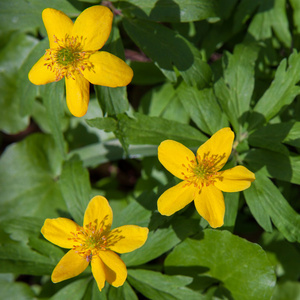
(68, 58)
(89, 240)
(202, 171)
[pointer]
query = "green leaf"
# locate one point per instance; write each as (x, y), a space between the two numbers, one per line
(271, 17)
(234, 90)
(16, 290)
(113, 101)
(284, 217)
(296, 14)
(241, 266)
(170, 10)
(153, 130)
(75, 188)
(124, 292)
(27, 15)
(165, 48)
(155, 285)
(231, 210)
(53, 101)
(107, 124)
(287, 290)
(162, 240)
(274, 164)
(28, 179)
(281, 93)
(163, 102)
(74, 290)
(203, 108)
(11, 58)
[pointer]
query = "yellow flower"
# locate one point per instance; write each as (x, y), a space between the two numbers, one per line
(202, 180)
(95, 243)
(73, 54)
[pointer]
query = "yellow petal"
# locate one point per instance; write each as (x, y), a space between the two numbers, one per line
(127, 238)
(236, 179)
(69, 266)
(57, 231)
(99, 209)
(57, 24)
(175, 198)
(77, 94)
(172, 155)
(98, 270)
(115, 271)
(108, 70)
(219, 144)
(210, 205)
(94, 25)
(40, 74)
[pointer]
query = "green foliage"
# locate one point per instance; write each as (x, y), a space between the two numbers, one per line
(199, 66)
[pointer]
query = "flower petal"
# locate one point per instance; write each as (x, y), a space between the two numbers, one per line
(40, 74)
(127, 238)
(175, 198)
(98, 270)
(57, 24)
(57, 231)
(236, 179)
(78, 95)
(210, 205)
(98, 209)
(94, 25)
(219, 144)
(172, 155)
(108, 70)
(115, 271)
(69, 266)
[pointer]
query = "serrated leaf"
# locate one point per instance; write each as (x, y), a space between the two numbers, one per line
(28, 179)
(234, 90)
(241, 266)
(153, 130)
(281, 93)
(75, 187)
(155, 285)
(203, 108)
(165, 48)
(170, 11)
(284, 217)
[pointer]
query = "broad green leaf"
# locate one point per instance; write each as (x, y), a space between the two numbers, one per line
(257, 209)
(234, 90)
(28, 179)
(281, 93)
(287, 290)
(163, 102)
(170, 11)
(271, 17)
(53, 101)
(162, 240)
(12, 120)
(241, 266)
(22, 252)
(75, 187)
(16, 290)
(74, 290)
(203, 108)
(27, 15)
(113, 101)
(155, 285)
(274, 164)
(165, 48)
(283, 216)
(153, 130)
(107, 124)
